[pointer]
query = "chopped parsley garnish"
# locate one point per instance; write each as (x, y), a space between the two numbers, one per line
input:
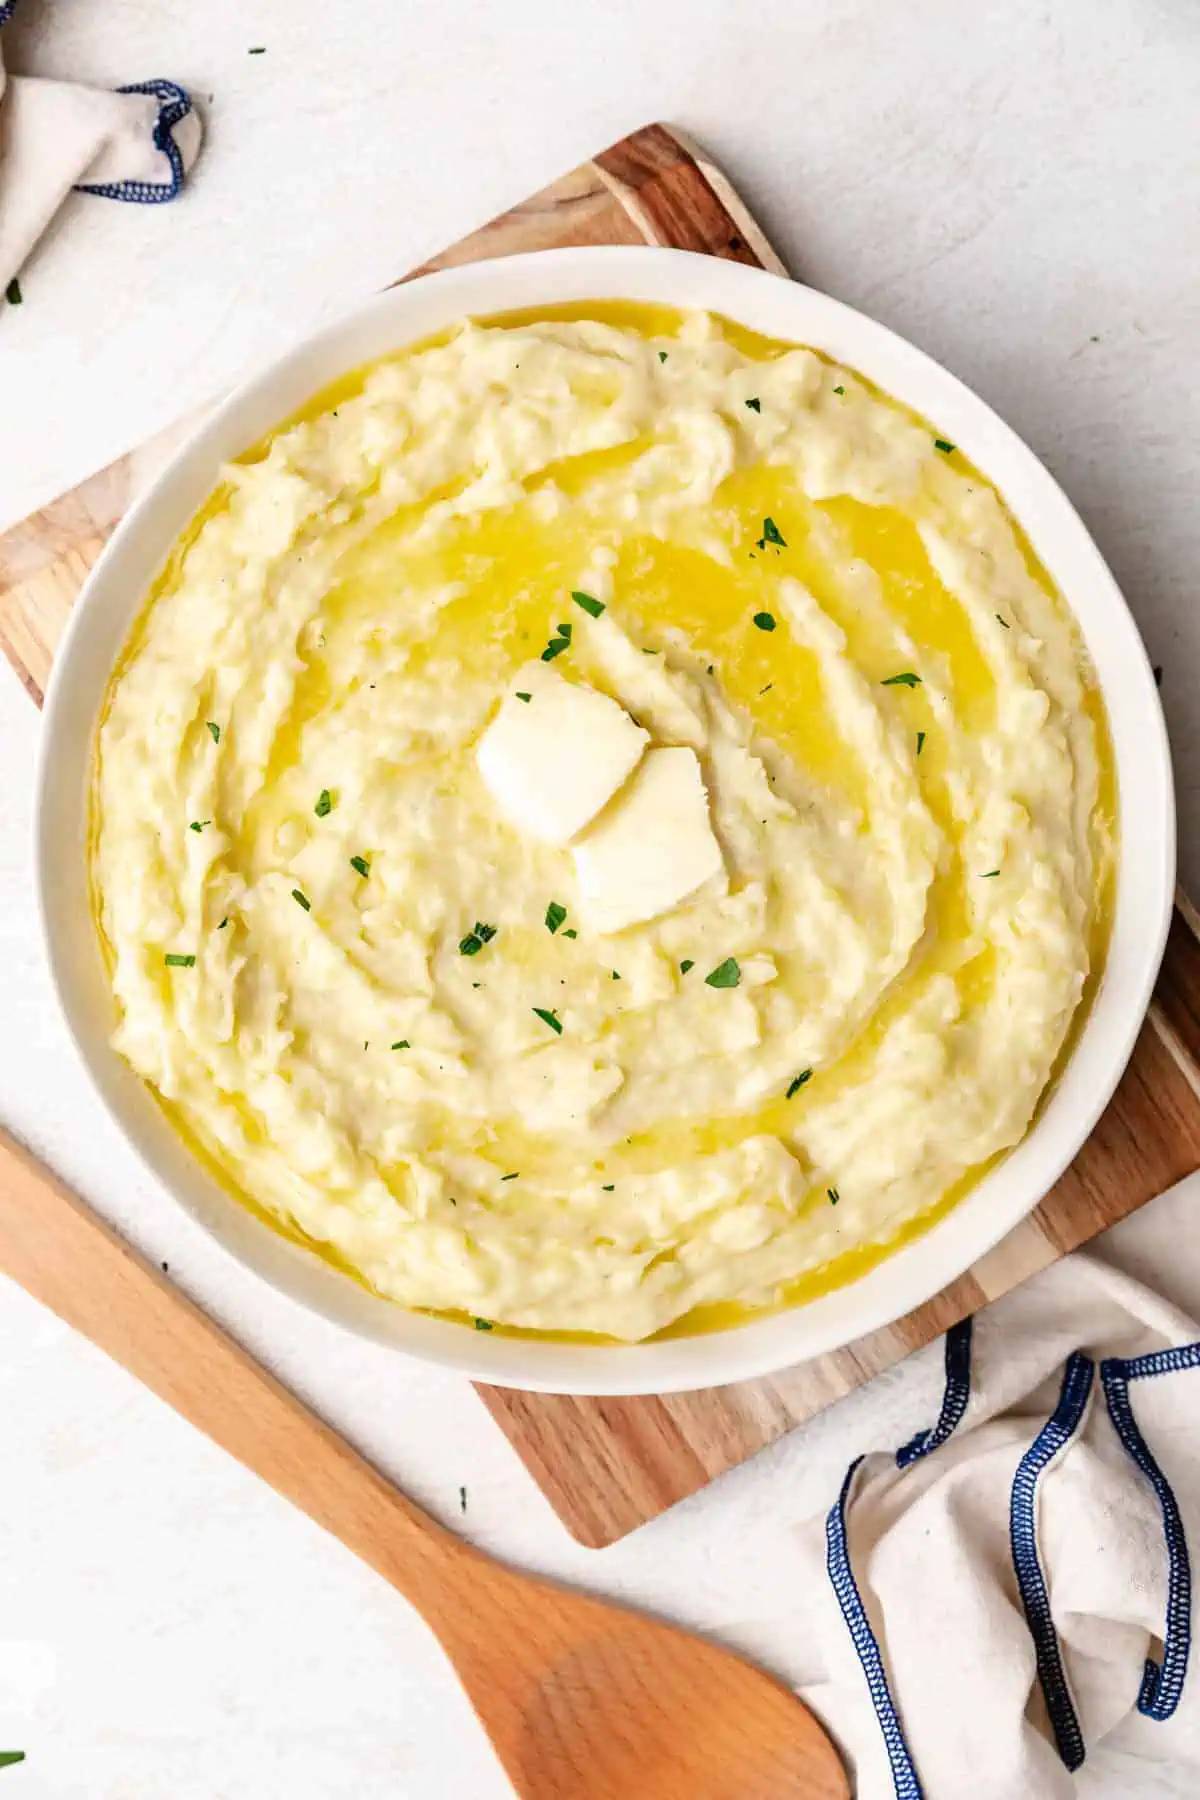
(755, 405)
(486, 932)
(224, 923)
(765, 621)
(361, 864)
(771, 535)
(906, 678)
(401, 1044)
(589, 605)
(324, 804)
(990, 875)
(725, 975)
(8, 1757)
(839, 390)
(525, 697)
(12, 292)
(798, 1081)
(662, 356)
(474, 941)
(215, 729)
(174, 961)
(942, 445)
(550, 1018)
(685, 965)
(920, 742)
(511, 1177)
(555, 914)
(834, 1196)
(609, 1188)
(570, 932)
(199, 824)
(616, 974)
(300, 900)
(1004, 622)
(558, 644)
(483, 1325)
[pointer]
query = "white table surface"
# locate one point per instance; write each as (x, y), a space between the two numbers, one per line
(1015, 187)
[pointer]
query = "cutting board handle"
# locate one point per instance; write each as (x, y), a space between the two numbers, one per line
(66, 1257)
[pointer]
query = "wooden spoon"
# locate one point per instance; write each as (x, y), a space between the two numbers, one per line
(582, 1700)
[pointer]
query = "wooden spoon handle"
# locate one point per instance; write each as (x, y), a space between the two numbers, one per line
(66, 1257)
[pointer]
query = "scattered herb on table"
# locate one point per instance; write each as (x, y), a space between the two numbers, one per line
(755, 405)
(771, 534)
(589, 604)
(324, 804)
(215, 730)
(173, 960)
(725, 975)
(361, 864)
(555, 914)
(765, 621)
(906, 678)
(12, 292)
(798, 1081)
(550, 1018)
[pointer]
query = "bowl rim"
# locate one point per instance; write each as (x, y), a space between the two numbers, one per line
(767, 302)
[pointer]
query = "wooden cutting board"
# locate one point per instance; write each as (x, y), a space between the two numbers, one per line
(607, 1465)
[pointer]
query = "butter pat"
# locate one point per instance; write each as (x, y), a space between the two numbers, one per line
(553, 760)
(652, 848)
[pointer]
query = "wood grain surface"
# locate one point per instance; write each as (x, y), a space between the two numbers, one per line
(605, 1464)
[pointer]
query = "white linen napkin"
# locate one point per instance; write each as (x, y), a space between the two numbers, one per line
(136, 144)
(1013, 1585)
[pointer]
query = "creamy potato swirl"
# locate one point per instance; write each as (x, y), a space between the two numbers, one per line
(333, 959)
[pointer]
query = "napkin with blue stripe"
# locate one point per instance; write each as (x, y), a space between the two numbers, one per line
(1011, 1587)
(136, 144)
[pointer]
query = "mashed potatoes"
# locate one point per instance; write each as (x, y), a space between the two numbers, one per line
(398, 1021)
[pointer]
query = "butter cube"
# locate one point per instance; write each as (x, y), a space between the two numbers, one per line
(653, 847)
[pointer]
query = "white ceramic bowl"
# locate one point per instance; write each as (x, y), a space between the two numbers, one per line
(780, 309)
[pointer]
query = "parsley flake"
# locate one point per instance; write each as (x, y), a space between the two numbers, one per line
(174, 961)
(592, 606)
(12, 292)
(685, 965)
(511, 1177)
(920, 742)
(401, 1044)
(1004, 622)
(324, 804)
(8, 1757)
(834, 1196)
(771, 534)
(215, 729)
(755, 405)
(906, 678)
(798, 1081)
(942, 445)
(361, 864)
(555, 914)
(550, 1018)
(839, 390)
(473, 942)
(558, 644)
(570, 932)
(990, 875)
(484, 1325)
(616, 974)
(662, 356)
(609, 1189)
(224, 923)
(525, 697)
(765, 621)
(725, 975)
(199, 824)
(300, 900)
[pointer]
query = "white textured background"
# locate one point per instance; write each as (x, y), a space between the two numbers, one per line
(1015, 186)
